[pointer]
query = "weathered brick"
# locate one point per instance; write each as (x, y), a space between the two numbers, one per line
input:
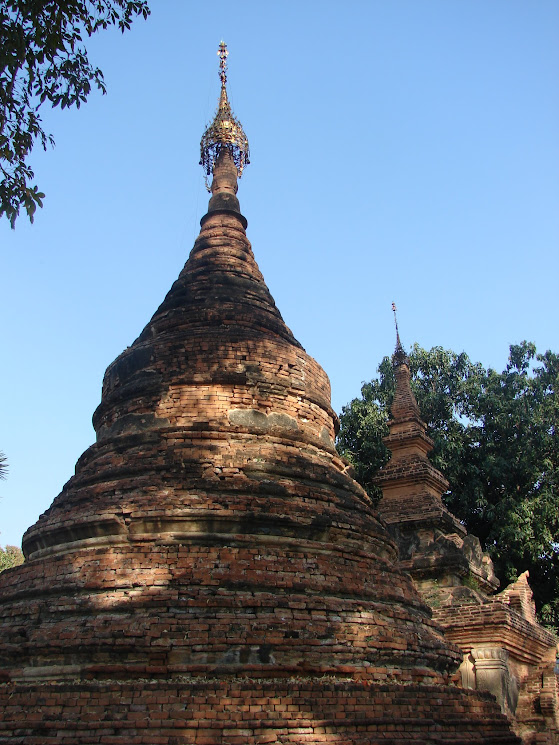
(212, 574)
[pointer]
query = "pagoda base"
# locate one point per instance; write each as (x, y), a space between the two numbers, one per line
(248, 711)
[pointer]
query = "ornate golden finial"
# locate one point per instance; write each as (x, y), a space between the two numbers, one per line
(222, 53)
(225, 132)
(399, 355)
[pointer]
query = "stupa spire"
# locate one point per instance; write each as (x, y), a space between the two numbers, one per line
(399, 350)
(404, 404)
(225, 133)
(412, 487)
(399, 353)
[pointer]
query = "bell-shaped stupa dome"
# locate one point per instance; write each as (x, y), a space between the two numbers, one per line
(212, 574)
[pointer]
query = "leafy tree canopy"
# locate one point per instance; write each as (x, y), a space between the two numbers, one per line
(495, 441)
(11, 556)
(42, 59)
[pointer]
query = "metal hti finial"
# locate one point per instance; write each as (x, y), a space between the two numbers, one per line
(223, 54)
(225, 132)
(399, 355)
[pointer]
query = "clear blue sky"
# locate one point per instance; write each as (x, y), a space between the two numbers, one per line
(402, 150)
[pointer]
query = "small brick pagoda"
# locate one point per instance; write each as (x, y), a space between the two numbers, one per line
(504, 649)
(212, 574)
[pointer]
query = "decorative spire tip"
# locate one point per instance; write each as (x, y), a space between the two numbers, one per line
(222, 53)
(225, 132)
(399, 356)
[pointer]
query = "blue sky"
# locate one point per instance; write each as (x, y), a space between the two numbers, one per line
(402, 150)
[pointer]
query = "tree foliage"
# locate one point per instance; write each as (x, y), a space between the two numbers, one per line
(42, 59)
(495, 441)
(11, 556)
(3, 466)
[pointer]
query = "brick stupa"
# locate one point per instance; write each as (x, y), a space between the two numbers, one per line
(505, 650)
(212, 574)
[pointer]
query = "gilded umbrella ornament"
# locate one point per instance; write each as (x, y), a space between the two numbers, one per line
(226, 131)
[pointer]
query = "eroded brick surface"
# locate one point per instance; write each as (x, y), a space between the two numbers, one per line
(251, 712)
